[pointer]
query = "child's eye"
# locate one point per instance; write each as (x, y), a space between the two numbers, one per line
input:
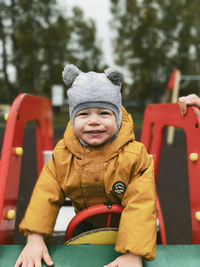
(105, 113)
(82, 114)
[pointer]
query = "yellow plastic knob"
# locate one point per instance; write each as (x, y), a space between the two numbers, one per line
(193, 156)
(18, 151)
(197, 216)
(11, 215)
(6, 116)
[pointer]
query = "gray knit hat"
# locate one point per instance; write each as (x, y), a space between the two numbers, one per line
(94, 90)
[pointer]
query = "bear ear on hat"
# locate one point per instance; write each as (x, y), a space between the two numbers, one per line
(69, 74)
(114, 74)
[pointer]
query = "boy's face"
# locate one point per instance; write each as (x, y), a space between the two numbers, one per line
(95, 125)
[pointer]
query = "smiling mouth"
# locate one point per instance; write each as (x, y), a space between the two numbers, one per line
(94, 132)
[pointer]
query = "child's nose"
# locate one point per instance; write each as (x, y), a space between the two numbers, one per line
(93, 119)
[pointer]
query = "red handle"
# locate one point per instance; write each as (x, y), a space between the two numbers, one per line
(89, 212)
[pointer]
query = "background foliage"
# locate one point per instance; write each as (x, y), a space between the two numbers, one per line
(150, 39)
(37, 40)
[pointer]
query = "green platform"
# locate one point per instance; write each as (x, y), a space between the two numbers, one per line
(100, 255)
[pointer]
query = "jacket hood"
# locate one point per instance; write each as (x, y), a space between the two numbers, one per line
(125, 135)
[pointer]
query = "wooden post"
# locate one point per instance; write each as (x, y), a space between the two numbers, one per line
(174, 86)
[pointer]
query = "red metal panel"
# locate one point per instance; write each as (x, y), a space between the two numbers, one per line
(25, 108)
(156, 118)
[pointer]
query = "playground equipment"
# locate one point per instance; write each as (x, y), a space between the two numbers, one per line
(173, 86)
(177, 81)
(100, 255)
(30, 108)
(89, 212)
(24, 109)
(156, 118)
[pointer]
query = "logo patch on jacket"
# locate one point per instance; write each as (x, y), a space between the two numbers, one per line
(119, 187)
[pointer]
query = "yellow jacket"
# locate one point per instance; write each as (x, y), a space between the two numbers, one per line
(117, 172)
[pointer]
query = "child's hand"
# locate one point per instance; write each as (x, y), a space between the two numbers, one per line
(34, 251)
(184, 101)
(126, 260)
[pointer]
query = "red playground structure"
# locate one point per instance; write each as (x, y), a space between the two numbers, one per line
(27, 108)
(24, 109)
(156, 118)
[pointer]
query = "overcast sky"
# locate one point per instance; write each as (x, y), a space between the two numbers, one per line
(99, 11)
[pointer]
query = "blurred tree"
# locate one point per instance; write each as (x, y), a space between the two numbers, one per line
(84, 49)
(152, 38)
(37, 40)
(4, 79)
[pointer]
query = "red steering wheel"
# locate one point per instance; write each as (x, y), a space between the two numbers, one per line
(89, 212)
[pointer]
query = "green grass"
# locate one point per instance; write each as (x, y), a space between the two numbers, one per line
(137, 117)
(60, 120)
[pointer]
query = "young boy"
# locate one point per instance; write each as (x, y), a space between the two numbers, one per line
(97, 161)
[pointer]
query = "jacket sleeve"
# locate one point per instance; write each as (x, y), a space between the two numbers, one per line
(46, 199)
(137, 229)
